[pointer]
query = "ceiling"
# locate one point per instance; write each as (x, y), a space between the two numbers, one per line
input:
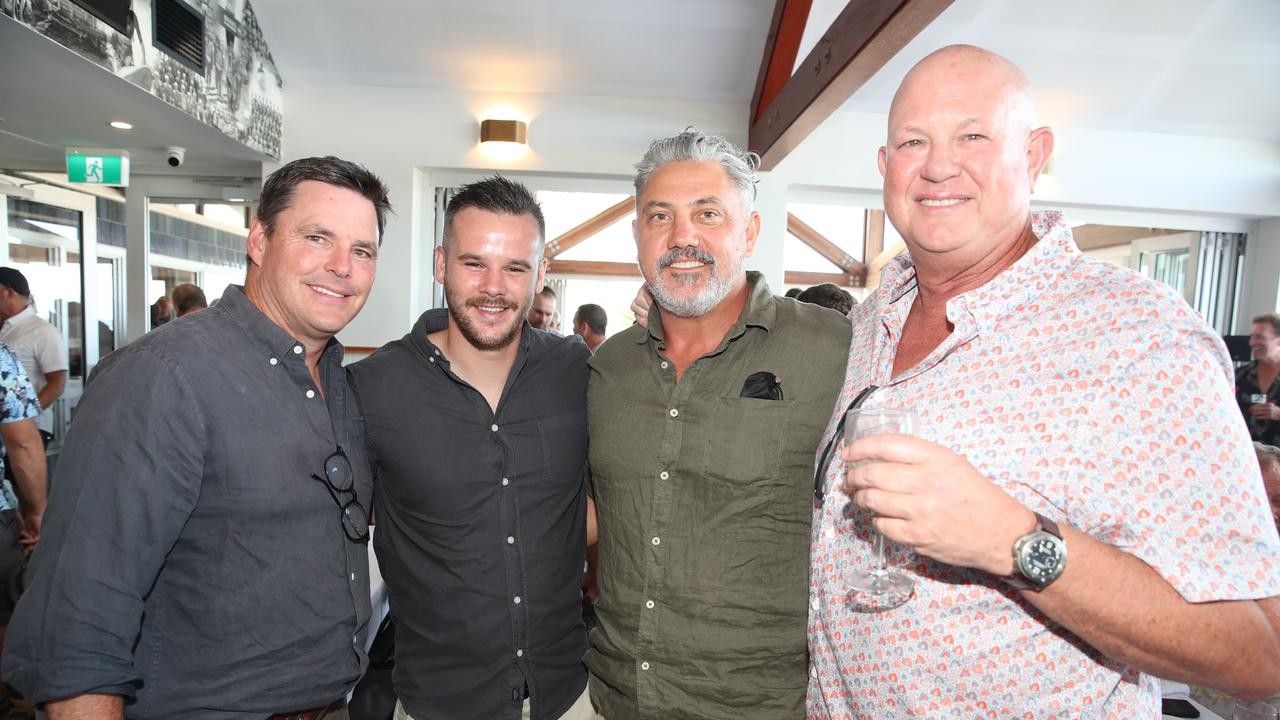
(1192, 67)
(52, 99)
(1195, 67)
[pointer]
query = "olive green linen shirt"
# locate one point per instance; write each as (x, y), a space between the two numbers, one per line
(704, 500)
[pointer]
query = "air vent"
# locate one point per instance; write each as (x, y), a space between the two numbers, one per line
(179, 31)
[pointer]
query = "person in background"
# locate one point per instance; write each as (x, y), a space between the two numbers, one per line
(829, 296)
(543, 310)
(589, 323)
(161, 311)
(793, 292)
(1258, 382)
(1076, 433)
(204, 550)
(37, 343)
(188, 298)
(703, 431)
(481, 506)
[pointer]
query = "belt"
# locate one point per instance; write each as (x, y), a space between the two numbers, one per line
(312, 714)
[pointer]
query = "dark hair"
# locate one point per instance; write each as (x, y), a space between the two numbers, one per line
(547, 291)
(794, 292)
(593, 315)
(187, 296)
(1272, 319)
(278, 190)
(828, 295)
(495, 194)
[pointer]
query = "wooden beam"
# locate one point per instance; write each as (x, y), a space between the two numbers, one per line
(826, 248)
(592, 267)
(876, 266)
(873, 234)
(590, 227)
(780, 51)
(798, 277)
(865, 35)
(1094, 237)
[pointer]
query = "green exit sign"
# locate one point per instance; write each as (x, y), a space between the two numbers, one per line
(98, 167)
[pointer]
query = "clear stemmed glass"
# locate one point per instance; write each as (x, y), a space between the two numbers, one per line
(879, 588)
(1254, 711)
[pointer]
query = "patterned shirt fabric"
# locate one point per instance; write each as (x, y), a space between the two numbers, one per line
(1091, 395)
(702, 491)
(1247, 385)
(17, 402)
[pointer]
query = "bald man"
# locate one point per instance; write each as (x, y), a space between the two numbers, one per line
(1077, 430)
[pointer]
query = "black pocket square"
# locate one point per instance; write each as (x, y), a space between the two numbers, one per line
(762, 386)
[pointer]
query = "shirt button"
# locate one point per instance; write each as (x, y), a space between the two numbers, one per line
(297, 349)
(516, 600)
(674, 412)
(431, 360)
(656, 541)
(274, 361)
(493, 428)
(353, 577)
(311, 393)
(813, 672)
(505, 482)
(644, 666)
(665, 364)
(520, 653)
(511, 540)
(664, 475)
(649, 604)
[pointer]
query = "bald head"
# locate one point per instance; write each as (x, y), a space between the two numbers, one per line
(962, 158)
(947, 73)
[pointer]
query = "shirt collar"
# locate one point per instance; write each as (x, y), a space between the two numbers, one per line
(760, 311)
(261, 328)
(1042, 267)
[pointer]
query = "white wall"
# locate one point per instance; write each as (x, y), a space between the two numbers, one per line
(412, 136)
(408, 134)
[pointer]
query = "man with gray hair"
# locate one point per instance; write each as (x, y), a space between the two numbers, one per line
(703, 429)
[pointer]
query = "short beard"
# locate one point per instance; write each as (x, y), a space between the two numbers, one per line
(719, 285)
(471, 333)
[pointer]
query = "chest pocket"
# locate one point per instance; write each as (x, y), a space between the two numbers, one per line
(747, 441)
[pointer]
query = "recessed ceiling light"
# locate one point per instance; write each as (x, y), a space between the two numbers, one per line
(121, 125)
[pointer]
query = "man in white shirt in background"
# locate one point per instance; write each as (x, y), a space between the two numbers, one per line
(36, 342)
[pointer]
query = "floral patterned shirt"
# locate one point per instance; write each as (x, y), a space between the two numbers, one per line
(17, 402)
(1093, 396)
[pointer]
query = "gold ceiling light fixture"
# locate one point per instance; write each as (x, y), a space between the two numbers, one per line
(512, 131)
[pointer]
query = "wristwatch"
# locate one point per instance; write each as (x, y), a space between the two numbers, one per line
(1039, 557)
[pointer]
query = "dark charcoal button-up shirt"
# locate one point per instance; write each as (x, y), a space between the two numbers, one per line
(189, 561)
(704, 499)
(1247, 385)
(481, 524)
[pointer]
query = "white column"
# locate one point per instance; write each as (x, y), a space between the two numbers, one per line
(771, 203)
(137, 270)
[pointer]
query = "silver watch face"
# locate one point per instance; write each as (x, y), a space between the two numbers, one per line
(1042, 558)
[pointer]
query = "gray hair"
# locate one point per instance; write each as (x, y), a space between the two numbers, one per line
(1266, 452)
(740, 165)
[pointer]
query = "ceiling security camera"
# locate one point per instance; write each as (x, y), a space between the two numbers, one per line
(176, 155)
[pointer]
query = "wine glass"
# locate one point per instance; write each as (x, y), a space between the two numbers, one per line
(879, 588)
(1253, 711)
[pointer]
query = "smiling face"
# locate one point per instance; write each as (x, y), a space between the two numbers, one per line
(313, 273)
(1264, 343)
(490, 271)
(961, 158)
(693, 236)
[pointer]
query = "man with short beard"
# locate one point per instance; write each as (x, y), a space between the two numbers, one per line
(476, 427)
(704, 428)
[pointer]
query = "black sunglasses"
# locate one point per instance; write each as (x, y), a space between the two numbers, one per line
(836, 439)
(340, 480)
